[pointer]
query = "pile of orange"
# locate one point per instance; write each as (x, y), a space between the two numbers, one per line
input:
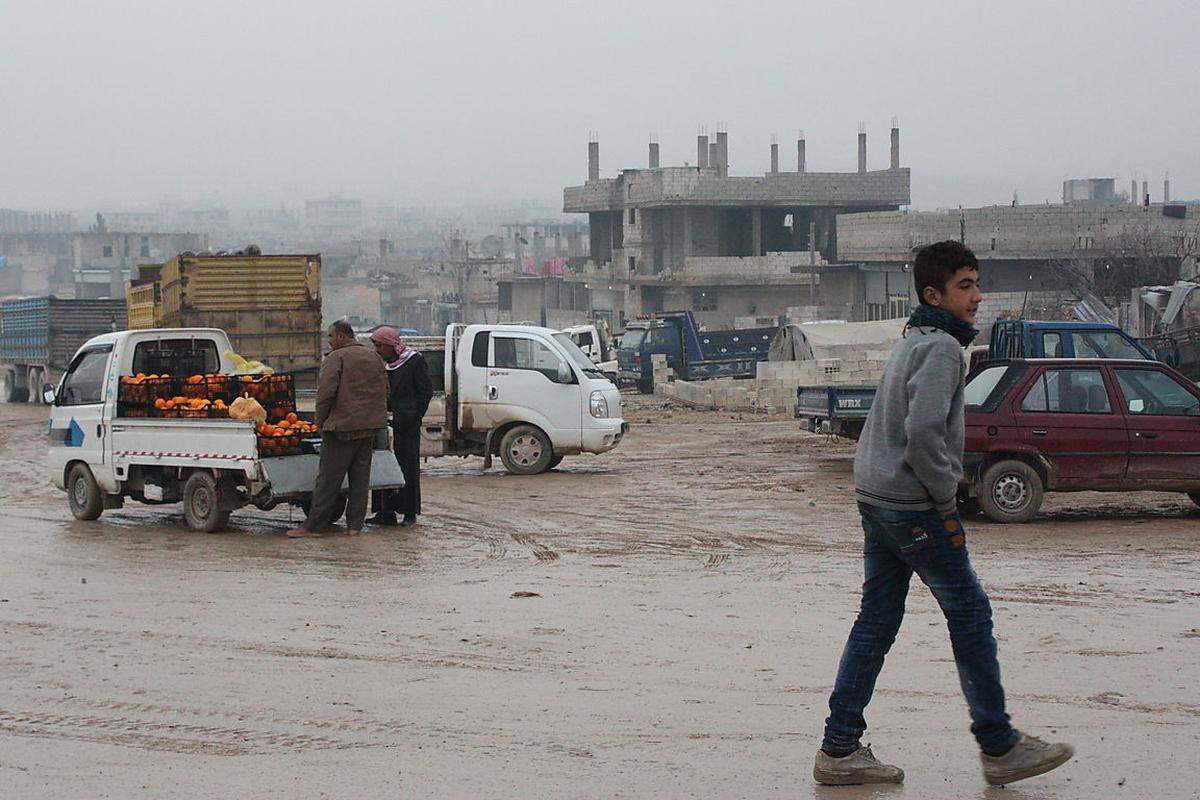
(140, 377)
(190, 403)
(291, 425)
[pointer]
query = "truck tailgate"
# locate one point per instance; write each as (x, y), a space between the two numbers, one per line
(292, 475)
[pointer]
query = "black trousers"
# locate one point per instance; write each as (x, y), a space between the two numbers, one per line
(406, 502)
(339, 458)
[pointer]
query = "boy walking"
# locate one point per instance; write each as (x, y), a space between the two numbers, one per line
(906, 475)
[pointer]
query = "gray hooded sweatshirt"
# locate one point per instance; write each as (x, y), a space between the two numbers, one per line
(910, 452)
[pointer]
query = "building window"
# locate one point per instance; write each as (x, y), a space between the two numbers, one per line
(633, 264)
(632, 216)
(108, 251)
(704, 300)
(145, 251)
(504, 296)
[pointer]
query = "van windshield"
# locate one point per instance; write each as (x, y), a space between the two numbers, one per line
(578, 356)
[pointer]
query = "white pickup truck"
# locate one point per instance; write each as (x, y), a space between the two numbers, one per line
(596, 341)
(523, 393)
(212, 465)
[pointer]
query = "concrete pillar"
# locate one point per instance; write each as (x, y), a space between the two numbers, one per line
(801, 166)
(1145, 192)
(723, 151)
(593, 161)
(862, 151)
(687, 232)
(654, 155)
(702, 150)
(774, 157)
(756, 231)
(1167, 189)
(895, 147)
(1133, 194)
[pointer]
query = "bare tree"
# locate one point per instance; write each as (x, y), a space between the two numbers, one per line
(1139, 254)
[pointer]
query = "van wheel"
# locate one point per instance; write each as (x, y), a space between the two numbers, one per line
(339, 507)
(1010, 491)
(83, 493)
(525, 450)
(202, 503)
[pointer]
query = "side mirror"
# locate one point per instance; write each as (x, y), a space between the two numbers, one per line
(48, 394)
(564, 372)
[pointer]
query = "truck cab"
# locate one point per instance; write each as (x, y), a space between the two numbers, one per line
(691, 352)
(1026, 338)
(521, 392)
(595, 340)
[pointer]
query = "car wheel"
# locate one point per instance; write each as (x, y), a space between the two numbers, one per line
(968, 506)
(1010, 491)
(83, 493)
(1195, 497)
(202, 503)
(525, 450)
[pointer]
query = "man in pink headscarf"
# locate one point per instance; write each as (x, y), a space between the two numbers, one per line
(409, 393)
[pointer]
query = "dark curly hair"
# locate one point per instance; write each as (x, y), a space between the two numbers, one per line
(936, 264)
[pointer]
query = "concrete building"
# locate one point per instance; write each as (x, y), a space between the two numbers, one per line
(35, 253)
(1017, 246)
(724, 246)
(102, 260)
(334, 217)
(1089, 190)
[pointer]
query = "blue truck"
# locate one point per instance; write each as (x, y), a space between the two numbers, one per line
(39, 337)
(842, 410)
(693, 353)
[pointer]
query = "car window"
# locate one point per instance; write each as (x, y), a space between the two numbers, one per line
(1155, 393)
(1103, 344)
(583, 339)
(1052, 345)
(479, 350)
(179, 357)
(1068, 391)
(84, 384)
(520, 353)
(980, 386)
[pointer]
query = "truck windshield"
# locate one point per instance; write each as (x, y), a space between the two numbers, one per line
(578, 356)
(1103, 344)
(632, 338)
(178, 357)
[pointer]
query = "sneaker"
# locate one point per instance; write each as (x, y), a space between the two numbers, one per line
(1028, 757)
(859, 767)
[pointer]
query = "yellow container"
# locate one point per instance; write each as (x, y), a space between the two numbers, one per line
(232, 283)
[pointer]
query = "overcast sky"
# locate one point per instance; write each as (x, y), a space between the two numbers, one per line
(121, 105)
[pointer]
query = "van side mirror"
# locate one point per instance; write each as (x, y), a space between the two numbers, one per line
(564, 372)
(48, 394)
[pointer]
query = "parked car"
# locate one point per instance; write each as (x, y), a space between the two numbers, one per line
(1070, 425)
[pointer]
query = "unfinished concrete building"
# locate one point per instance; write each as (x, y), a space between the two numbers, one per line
(695, 237)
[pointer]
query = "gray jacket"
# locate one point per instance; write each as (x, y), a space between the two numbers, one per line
(910, 453)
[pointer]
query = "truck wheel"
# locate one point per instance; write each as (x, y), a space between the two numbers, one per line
(525, 450)
(339, 506)
(9, 393)
(1195, 497)
(83, 493)
(645, 385)
(202, 503)
(1010, 491)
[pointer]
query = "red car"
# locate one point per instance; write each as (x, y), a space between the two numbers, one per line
(1072, 425)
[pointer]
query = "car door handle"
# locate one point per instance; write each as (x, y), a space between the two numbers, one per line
(1147, 434)
(99, 431)
(1039, 431)
(493, 392)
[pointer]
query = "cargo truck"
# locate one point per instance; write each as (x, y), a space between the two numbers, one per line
(269, 305)
(693, 353)
(39, 335)
(104, 449)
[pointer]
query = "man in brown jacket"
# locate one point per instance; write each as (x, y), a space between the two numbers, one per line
(351, 406)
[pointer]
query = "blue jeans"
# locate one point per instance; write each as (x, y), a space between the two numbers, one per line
(897, 544)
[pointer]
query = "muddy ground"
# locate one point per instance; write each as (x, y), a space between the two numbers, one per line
(694, 589)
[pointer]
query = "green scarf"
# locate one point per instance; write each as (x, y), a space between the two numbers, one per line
(924, 316)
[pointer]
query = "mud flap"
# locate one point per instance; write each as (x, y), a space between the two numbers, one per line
(487, 450)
